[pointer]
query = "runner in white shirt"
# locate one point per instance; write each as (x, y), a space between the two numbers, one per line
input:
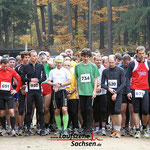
(59, 78)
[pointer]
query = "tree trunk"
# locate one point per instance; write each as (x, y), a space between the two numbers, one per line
(1, 35)
(109, 7)
(76, 19)
(119, 39)
(102, 43)
(90, 24)
(69, 20)
(43, 19)
(50, 24)
(6, 28)
(144, 35)
(37, 25)
(125, 35)
(138, 38)
(148, 29)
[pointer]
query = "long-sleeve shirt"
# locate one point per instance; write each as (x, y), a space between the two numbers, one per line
(6, 79)
(33, 71)
(115, 79)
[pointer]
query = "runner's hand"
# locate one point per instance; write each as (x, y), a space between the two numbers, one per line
(35, 80)
(13, 92)
(77, 95)
(98, 89)
(112, 91)
(129, 95)
(114, 96)
(94, 94)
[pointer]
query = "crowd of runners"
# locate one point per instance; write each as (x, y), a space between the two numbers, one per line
(75, 94)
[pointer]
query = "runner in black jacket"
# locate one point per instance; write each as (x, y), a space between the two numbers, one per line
(34, 74)
(115, 78)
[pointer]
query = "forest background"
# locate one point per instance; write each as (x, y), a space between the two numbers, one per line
(108, 26)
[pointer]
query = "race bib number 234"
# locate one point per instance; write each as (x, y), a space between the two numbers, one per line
(85, 78)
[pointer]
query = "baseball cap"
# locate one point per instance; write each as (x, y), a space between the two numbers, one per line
(59, 59)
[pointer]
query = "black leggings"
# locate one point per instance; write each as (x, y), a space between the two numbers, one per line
(100, 108)
(73, 112)
(21, 100)
(86, 111)
(141, 104)
(38, 100)
(114, 106)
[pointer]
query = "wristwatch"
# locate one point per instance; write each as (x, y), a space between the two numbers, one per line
(60, 84)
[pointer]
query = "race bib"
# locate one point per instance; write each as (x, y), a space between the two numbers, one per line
(5, 86)
(85, 78)
(34, 86)
(112, 83)
(139, 93)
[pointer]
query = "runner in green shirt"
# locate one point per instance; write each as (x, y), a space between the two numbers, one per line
(86, 74)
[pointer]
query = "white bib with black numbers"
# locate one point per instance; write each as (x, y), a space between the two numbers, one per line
(139, 93)
(112, 83)
(85, 78)
(34, 86)
(5, 86)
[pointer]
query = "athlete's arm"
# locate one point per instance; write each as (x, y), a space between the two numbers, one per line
(43, 74)
(17, 76)
(95, 87)
(51, 64)
(24, 77)
(66, 83)
(76, 86)
(129, 75)
(122, 85)
(103, 80)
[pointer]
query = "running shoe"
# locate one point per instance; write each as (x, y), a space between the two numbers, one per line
(13, 133)
(146, 134)
(65, 132)
(123, 132)
(58, 132)
(117, 134)
(113, 134)
(42, 132)
(137, 134)
(3, 132)
(75, 131)
(131, 132)
(103, 131)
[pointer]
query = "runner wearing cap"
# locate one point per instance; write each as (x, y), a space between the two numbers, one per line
(59, 78)
(47, 90)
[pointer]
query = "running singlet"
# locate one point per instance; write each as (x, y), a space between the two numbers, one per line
(140, 75)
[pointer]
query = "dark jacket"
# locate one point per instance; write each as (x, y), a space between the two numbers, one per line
(29, 71)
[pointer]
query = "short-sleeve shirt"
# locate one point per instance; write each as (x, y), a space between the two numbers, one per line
(47, 71)
(85, 75)
(59, 75)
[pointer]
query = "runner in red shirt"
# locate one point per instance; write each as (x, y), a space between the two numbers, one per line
(137, 88)
(6, 94)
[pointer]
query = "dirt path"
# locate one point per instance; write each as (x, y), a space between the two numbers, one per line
(43, 143)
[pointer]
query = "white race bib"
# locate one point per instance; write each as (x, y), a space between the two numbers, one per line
(139, 93)
(5, 86)
(85, 78)
(34, 86)
(112, 83)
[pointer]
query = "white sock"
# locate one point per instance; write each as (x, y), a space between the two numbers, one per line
(118, 128)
